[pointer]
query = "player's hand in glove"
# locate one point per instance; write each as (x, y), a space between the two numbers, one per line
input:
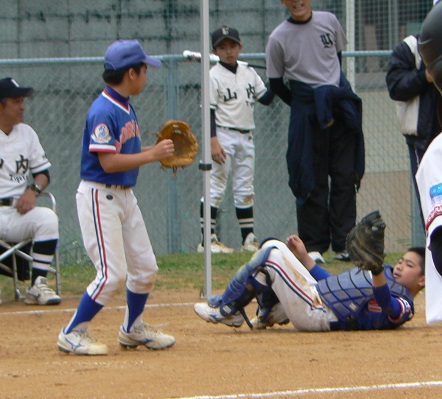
(365, 243)
(185, 144)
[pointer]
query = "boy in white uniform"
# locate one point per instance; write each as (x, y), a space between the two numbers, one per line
(234, 89)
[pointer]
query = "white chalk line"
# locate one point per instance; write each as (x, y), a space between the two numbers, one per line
(106, 308)
(361, 388)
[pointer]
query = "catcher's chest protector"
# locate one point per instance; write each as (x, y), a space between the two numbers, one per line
(347, 293)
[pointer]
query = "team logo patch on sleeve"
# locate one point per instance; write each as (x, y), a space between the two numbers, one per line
(436, 194)
(101, 134)
(436, 204)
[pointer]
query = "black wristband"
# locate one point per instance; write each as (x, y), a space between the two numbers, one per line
(378, 270)
(35, 188)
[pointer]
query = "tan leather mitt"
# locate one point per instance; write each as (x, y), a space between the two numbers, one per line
(185, 142)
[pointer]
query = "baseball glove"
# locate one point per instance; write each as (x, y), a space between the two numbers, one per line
(365, 243)
(186, 145)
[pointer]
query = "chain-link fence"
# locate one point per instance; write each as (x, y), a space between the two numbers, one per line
(65, 88)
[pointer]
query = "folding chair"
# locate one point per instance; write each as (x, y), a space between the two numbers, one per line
(21, 259)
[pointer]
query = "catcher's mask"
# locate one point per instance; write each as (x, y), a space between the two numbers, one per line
(430, 44)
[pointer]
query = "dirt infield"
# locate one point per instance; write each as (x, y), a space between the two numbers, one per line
(214, 360)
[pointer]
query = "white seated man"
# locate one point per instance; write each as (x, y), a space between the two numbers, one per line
(22, 156)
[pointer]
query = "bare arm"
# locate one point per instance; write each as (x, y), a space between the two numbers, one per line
(295, 244)
(27, 200)
(122, 162)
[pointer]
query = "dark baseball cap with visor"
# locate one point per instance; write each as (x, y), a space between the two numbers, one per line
(224, 33)
(9, 88)
(125, 53)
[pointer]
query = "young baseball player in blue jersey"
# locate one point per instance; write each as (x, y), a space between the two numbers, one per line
(290, 286)
(234, 90)
(114, 233)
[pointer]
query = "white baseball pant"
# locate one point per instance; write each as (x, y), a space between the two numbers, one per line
(296, 290)
(240, 161)
(116, 240)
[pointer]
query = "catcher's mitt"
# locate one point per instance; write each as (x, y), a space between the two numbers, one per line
(365, 243)
(186, 145)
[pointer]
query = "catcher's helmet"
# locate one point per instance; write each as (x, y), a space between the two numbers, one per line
(430, 43)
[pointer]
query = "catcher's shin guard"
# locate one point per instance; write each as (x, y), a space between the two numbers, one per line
(243, 287)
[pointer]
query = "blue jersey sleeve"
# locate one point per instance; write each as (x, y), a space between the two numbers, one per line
(396, 308)
(384, 311)
(101, 129)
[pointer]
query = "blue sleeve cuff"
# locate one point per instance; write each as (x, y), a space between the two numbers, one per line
(319, 273)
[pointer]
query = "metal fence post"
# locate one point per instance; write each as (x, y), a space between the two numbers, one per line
(173, 219)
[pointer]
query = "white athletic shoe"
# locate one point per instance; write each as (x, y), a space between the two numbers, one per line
(216, 246)
(213, 315)
(80, 343)
(275, 316)
(316, 256)
(250, 244)
(145, 335)
(344, 256)
(41, 294)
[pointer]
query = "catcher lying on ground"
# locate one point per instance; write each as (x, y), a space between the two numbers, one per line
(289, 286)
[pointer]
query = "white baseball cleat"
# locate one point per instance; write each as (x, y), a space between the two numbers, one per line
(216, 246)
(145, 335)
(213, 315)
(316, 256)
(344, 256)
(80, 343)
(41, 294)
(276, 315)
(250, 244)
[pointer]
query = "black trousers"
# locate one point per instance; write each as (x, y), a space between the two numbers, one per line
(329, 213)
(416, 153)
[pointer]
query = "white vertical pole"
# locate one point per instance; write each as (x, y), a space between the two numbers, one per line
(206, 163)
(350, 28)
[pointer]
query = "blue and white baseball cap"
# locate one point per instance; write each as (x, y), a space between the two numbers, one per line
(125, 53)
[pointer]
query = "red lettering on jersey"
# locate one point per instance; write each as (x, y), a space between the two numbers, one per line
(437, 211)
(128, 131)
(373, 306)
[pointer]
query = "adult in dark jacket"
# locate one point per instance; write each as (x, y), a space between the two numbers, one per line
(407, 78)
(325, 155)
